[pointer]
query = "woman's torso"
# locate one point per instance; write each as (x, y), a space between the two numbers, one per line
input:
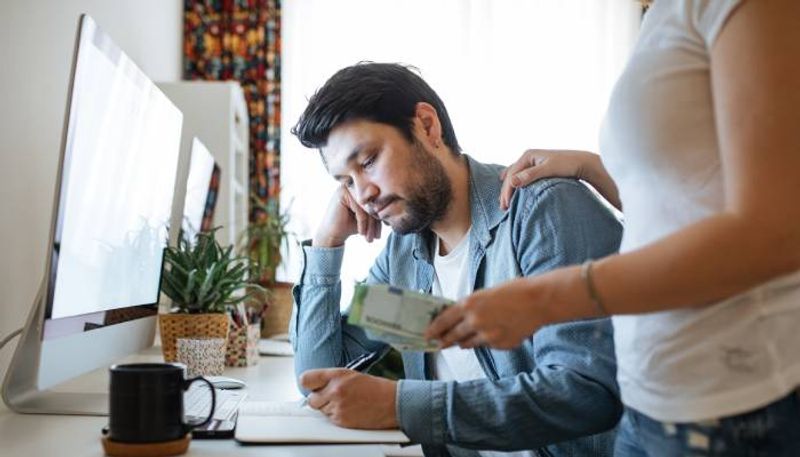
(659, 142)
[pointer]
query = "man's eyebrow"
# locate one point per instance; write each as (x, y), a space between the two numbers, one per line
(351, 157)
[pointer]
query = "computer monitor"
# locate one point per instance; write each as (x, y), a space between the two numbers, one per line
(113, 197)
(201, 191)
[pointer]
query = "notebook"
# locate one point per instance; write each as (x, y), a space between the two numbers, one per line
(292, 422)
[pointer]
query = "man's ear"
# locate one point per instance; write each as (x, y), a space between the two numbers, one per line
(427, 121)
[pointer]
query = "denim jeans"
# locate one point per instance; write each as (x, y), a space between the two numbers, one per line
(773, 430)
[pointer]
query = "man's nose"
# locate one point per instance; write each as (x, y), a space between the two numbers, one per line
(366, 192)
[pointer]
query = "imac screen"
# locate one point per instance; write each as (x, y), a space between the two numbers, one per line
(118, 174)
(198, 183)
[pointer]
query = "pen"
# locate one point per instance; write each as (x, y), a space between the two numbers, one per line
(364, 361)
(361, 363)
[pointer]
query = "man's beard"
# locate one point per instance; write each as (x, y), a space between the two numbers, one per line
(429, 195)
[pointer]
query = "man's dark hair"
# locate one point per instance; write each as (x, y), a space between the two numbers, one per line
(386, 93)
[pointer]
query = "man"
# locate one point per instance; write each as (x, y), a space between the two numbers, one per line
(385, 135)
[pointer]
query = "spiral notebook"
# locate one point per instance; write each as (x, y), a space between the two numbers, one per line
(263, 422)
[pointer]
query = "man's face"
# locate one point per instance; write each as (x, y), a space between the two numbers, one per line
(397, 182)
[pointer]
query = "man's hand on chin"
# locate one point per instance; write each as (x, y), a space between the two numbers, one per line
(352, 399)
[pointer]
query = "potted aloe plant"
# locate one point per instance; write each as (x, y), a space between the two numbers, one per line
(263, 238)
(203, 279)
(262, 241)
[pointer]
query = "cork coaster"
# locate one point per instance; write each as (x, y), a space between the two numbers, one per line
(116, 449)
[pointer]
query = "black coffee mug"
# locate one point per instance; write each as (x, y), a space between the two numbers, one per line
(146, 403)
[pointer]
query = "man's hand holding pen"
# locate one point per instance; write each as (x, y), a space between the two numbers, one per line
(352, 399)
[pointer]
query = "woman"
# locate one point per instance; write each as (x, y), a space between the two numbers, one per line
(702, 138)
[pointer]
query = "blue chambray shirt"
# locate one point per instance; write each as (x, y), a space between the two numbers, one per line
(556, 393)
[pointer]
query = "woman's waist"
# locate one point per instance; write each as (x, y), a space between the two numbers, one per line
(746, 333)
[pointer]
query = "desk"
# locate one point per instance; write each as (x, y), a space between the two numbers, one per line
(26, 435)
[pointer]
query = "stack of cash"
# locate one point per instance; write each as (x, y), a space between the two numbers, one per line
(396, 316)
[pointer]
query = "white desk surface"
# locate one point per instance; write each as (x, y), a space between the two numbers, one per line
(32, 435)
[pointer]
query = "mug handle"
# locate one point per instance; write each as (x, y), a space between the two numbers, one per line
(190, 425)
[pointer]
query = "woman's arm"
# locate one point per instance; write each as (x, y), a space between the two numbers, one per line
(536, 164)
(755, 70)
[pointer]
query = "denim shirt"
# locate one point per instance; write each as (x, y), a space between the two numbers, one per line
(556, 393)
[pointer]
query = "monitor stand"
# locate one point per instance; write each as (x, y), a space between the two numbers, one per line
(21, 392)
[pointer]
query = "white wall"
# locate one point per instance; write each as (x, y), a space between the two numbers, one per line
(35, 54)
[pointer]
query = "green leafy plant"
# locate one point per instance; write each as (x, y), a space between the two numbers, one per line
(261, 241)
(205, 277)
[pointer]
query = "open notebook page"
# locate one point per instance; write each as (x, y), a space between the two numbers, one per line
(292, 422)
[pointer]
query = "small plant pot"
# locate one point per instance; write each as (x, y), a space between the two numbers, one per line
(243, 346)
(174, 326)
(202, 356)
(279, 310)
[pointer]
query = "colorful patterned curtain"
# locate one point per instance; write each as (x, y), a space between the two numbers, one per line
(241, 40)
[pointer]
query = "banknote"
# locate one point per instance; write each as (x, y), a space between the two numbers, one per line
(396, 316)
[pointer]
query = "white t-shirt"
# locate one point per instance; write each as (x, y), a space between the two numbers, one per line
(451, 280)
(659, 142)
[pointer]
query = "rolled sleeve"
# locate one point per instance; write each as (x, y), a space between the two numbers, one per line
(322, 266)
(419, 410)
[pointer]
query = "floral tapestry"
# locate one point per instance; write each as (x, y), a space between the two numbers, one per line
(240, 40)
